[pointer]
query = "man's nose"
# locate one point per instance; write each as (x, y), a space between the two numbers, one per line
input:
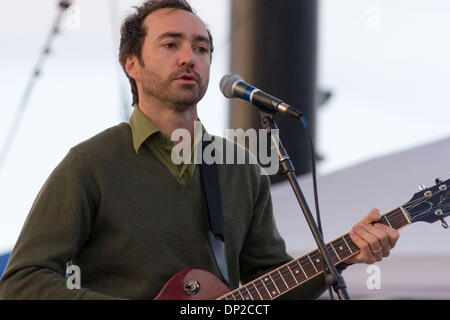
(186, 56)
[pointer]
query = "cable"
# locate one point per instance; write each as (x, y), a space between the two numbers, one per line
(316, 197)
(12, 133)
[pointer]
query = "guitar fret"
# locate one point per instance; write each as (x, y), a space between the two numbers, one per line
(246, 293)
(266, 289)
(284, 281)
(317, 260)
(288, 277)
(333, 253)
(308, 270)
(402, 220)
(347, 245)
(332, 247)
(295, 268)
(274, 284)
(386, 219)
(257, 291)
(403, 217)
(355, 249)
(397, 218)
(249, 293)
(343, 252)
(352, 248)
(300, 265)
(345, 248)
(406, 215)
(312, 264)
(290, 270)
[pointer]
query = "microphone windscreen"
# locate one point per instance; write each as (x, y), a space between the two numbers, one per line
(227, 82)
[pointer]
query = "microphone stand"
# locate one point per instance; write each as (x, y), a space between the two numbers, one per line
(332, 278)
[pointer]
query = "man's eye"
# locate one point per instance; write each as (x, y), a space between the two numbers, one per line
(170, 45)
(202, 50)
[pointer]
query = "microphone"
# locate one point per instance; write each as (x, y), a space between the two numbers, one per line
(233, 86)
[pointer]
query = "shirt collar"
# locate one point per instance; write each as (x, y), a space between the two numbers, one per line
(142, 128)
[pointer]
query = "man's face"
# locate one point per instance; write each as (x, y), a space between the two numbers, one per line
(175, 58)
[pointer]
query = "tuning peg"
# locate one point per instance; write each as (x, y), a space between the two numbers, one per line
(443, 186)
(422, 187)
(444, 224)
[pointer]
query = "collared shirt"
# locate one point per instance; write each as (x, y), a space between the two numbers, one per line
(146, 133)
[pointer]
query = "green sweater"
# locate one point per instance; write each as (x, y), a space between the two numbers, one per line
(129, 225)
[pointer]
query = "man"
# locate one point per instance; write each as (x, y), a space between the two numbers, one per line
(126, 216)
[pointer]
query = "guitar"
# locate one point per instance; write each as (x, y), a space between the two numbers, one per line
(429, 205)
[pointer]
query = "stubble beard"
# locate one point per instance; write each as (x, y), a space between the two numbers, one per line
(177, 99)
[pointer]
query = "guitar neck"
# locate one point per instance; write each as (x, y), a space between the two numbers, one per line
(296, 272)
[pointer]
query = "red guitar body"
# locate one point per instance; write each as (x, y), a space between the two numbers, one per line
(193, 284)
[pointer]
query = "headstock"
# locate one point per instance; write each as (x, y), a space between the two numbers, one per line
(430, 204)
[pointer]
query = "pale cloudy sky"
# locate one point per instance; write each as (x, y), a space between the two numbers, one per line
(386, 63)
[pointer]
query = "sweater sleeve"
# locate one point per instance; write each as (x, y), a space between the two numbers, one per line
(265, 249)
(59, 223)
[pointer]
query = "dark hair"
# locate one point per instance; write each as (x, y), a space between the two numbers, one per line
(133, 32)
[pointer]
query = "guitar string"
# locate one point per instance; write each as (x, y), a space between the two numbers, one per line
(425, 197)
(408, 206)
(422, 199)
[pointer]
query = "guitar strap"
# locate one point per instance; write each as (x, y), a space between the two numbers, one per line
(211, 190)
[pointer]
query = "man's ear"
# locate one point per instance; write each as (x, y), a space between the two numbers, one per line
(132, 67)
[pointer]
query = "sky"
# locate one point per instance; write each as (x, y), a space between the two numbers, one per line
(386, 63)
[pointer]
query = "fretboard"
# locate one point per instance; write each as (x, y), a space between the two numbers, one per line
(298, 271)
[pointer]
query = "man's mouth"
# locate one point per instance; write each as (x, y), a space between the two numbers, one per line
(187, 77)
